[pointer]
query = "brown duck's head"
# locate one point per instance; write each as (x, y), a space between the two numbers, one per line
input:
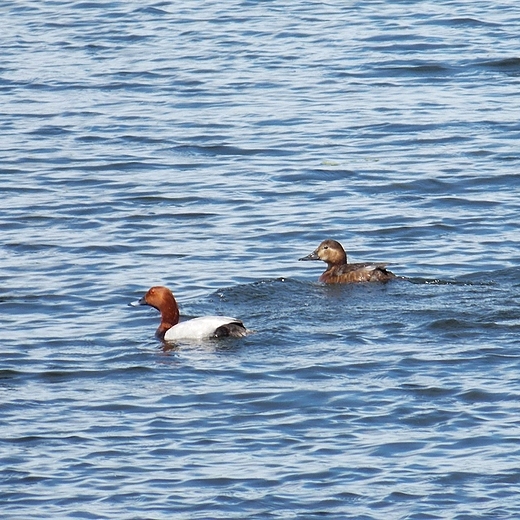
(329, 251)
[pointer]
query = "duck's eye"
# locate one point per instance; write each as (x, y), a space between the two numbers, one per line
(325, 247)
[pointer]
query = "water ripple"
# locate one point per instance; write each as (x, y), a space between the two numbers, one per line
(207, 147)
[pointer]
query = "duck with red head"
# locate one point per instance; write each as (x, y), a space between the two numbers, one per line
(339, 271)
(171, 330)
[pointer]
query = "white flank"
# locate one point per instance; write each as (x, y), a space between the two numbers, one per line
(198, 328)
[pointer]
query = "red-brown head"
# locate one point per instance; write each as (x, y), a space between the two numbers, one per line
(162, 299)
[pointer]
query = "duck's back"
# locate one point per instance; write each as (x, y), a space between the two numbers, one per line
(356, 273)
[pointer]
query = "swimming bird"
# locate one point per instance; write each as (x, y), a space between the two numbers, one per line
(339, 271)
(171, 330)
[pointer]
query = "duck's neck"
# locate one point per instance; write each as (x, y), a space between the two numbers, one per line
(339, 259)
(169, 318)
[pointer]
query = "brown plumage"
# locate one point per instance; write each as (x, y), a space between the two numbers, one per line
(339, 271)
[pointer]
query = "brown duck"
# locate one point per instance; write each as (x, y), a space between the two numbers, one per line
(339, 271)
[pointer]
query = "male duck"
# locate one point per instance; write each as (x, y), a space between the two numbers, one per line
(171, 330)
(339, 271)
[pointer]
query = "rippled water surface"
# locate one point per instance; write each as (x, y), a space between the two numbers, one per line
(207, 146)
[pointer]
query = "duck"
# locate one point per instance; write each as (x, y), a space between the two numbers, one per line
(171, 330)
(339, 271)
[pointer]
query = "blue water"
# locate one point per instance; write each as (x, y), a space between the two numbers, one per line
(207, 146)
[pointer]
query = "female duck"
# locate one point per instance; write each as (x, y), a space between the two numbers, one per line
(339, 271)
(171, 330)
